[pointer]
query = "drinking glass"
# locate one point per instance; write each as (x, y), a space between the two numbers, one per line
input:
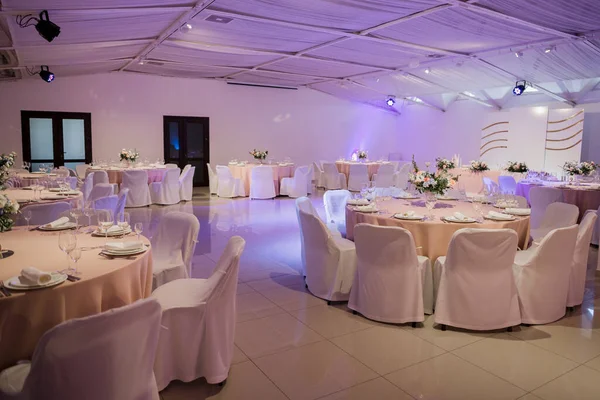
(27, 216)
(75, 255)
(67, 241)
(76, 213)
(430, 201)
(123, 220)
(478, 207)
(105, 219)
(138, 228)
(88, 211)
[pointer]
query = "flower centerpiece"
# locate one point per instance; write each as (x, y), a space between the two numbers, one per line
(444, 164)
(259, 155)
(517, 167)
(585, 168)
(431, 183)
(6, 161)
(479, 166)
(7, 208)
(362, 155)
(129, 155)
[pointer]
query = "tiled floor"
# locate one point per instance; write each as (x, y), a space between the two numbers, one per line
(291, 345)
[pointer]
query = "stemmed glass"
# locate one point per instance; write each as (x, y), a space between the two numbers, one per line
(27, 217)
(76, 213)
(75, 255)
(478, 207)
(430, 201)
(139, 228)
(105, 219)
(67, 241)
(88, 211)
(123, 220)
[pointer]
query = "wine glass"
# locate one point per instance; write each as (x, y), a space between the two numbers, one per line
(67, 241)
(430, 201)
(105, 219)
(27, 216)
(123, 220)
(76, 213)
(139, 228)
(88, 211)
(75, 255)
(478, 207)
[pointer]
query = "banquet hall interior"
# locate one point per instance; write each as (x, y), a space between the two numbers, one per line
(299, 199)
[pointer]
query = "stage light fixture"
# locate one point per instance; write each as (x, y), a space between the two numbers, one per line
(46, 28)
(549, 49)
(427, 70)
(519, 88)
(45, 74)
(518, 54)
(185, 28)
(390, 101)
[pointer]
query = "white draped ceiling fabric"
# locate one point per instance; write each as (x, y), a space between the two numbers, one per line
(429, 52)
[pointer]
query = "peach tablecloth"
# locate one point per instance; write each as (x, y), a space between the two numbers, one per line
(344, 167)
(115, 175)
(584, 197)
(104, 284)
(473, 181)
(279, 171)
(28, 179)
(432, 236)
(25, 197)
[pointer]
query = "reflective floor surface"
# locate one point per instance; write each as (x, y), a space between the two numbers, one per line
(291, 345)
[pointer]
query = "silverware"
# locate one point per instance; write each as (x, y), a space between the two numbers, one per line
(35, 228)
(4, 289)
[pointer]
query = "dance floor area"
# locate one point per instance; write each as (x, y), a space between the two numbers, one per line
(292, 345)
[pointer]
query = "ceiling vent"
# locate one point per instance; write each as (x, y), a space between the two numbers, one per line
(219, 19)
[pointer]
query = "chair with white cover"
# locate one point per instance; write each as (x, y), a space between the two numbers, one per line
(332, 179)
(490, 185)
(542, 276)
(166, 192)
(61, 172)
(358, 177)
(508, 184)
(44, 213)
(318, 175)
(298, 185)
(173, 247)
(104, 356)
(596, 234)
(580, 259)
(309, 178)
(137, 183)
(330, 260)
(81, 170)
(556, 215)
(539, 198)
(335, 208)
(401, 177)
(474, 282)
(171, 166)
(521, 201)
(186, 183)
(388, 286)
(122, 199)
(107, 203)
(384, 176)
(212, 179)
(102, 177)
(229, 186)
(100, 190)
(199, 317)
(262, 185)
(86, 187)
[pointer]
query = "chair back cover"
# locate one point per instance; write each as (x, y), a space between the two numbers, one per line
(539, 198)
(62, 172)
(402, 177)
(385, 175)
(522, 201)
(580, 259)
(101, 190)
(44, 213)
(167, 190)
(388, 283)
(105, 356)
(171, 166)
(508, 184)
(186, 182)
(335, 207)
(304, 204)
(176, 238)
(559, 215)
(477, 289)
(86, 187)
(121, 202)
(490, 185)
(212, 180)
(137, 183)
(262, 185)
(331, 177)
(186, 168)
(358, 177)
(100, 176)
(107, 203)
(81, 169)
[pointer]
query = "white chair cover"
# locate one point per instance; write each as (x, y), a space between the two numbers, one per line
(330, 261)
(171, 166)
(384, 176)
(475, 285)
(358, 177)
(100, 176)
(100, 190)
(81, 169)
(522, 201)
(596, 232)
(137, 183)
(212, 179)
(173, 247)
(186, 183)
(121, 202)
(542, 276)
(228, 186)
(107, 203)
(43, 213)
(335, 208)
(556, 215)
(105, 356)
(490, 185)
(166, 192)
(318, 175)
(388, 286)
(332, 179)
(186, 168)
(580, 259)
(86, 187)
(298, 185)
(508, 184)
(261, 183)
(539, 198)
(395, 164)
(199, 316)
(401, 177)
(62, 172)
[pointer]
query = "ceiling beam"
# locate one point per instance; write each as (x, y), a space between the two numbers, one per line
(385, 95)
(589, 87)
(388, 109)
(98, 10)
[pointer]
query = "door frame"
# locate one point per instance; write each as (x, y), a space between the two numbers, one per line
(57, 135)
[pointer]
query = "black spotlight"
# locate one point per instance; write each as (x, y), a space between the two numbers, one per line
(46, 28)
(45, 74)
(519, 88)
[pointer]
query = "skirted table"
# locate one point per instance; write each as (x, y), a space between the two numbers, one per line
(115, 174)
(344, 167)
(25, 197)
(243, 172)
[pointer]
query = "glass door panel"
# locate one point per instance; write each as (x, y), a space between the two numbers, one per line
(42, 139)
(186, 141)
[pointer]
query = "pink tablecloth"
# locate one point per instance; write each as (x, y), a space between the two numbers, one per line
(115, 175)
(344, 167)
(25, 197)
(104, 284)
(583, 197)
(243, 172)
(432, 236)
(28, 179)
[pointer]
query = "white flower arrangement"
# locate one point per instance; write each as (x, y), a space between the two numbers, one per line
(444, 164)
(7, 208)
(479, 166)
(362, 155)
(259, 154)
(6, 162)
(584, 168)
(129, 155)
(426, 181)
(517, 167)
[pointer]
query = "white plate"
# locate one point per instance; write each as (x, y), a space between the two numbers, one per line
(366, 210)
(520, 214)
(446, 198)
(491, 218)
(354, 202)
(14, 283)
(501, 205)
(111, 234)
(124, 253)
(53, 197)
(409, 218)
(460, 221)
(68, 225)
(406, 197)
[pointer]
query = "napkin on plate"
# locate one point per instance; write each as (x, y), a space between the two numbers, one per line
(408, 214)
(122, 246)
(57, 223)
(519, 211)
(114, 228)
(358, 202)
(33, 276)
(498, 215)
(460, 216)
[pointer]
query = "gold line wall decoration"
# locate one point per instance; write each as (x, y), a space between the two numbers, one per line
(494, 124)
(566, 119)
(492, 148)
(565, 148)
(567, 138)
(493, 133)
(492, 141)
(564, 129)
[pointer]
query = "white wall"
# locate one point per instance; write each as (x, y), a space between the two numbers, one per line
(127, 111)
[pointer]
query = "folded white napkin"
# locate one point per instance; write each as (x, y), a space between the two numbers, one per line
(519, 211)
(120, 246)
(358, 202)
(498, 215)
(113, 229)
(460, 216)
(408, 214)
(58, 222)
(33, 276)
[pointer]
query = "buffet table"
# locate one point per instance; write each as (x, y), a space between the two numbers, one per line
(243, 171)
(115, 174)
(105, 284)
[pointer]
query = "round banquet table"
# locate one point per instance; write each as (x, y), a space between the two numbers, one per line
(434, 236)
(28, 179)
(344, 167)
(584, 196)
(242, 171)
(115, 174)
(105, 284)
(25, 197)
